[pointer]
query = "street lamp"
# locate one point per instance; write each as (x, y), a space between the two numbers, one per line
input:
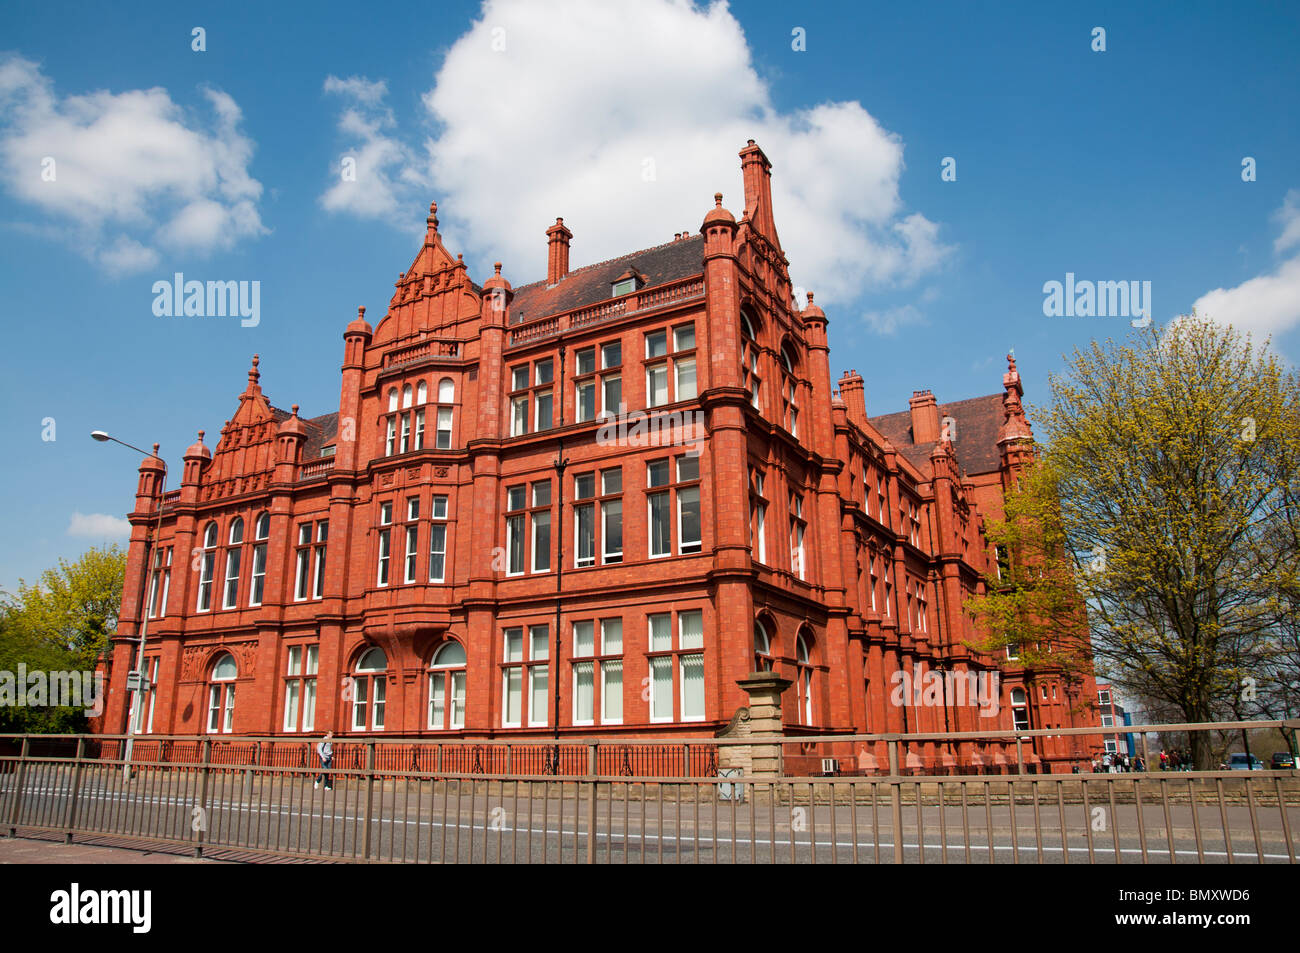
(137, 705)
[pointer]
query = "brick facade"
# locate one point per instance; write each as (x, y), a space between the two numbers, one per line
(871, 527)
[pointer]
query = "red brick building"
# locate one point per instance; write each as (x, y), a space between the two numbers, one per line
(403, 565)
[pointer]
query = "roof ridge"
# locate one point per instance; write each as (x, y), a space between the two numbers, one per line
(946, 403)
(598, 264)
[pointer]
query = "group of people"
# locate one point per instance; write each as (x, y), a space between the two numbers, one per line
(1118, 763)
(1177, 760)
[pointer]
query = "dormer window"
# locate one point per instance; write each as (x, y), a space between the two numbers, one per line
(628, 282)
(327, 451)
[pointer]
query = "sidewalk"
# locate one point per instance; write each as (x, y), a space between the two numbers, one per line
(23, 850)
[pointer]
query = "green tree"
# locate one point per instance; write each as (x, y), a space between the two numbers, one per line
(1032, 597)
(63, 623)
(1173, 457)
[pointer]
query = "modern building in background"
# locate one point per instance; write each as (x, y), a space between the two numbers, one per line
(1113, 715)
(593, 502)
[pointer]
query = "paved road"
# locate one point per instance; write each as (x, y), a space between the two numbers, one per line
(490, 821)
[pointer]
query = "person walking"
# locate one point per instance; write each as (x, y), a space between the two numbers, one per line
(325, 751)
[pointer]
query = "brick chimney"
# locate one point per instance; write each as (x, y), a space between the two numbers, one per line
(557, 252)
(925, 417)
(855, 404)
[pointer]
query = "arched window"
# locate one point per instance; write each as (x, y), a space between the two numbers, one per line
(749, 359)
(803, 681)
(392, 399)
(446, 395)
(369, 682)
(207, 565)
(762, 648)
(1019, 710)
(233, 555)
(422, 393)
(447, 687)
(261, 530)
(406, 396)
(789, 391)
(221, 694)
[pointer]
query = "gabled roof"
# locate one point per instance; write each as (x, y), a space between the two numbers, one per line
(978, 421)
(660, 265)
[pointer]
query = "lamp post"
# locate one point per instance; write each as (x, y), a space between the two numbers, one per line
(137, 709)
(561, 462)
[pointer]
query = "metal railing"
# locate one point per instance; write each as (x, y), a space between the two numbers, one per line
(416, 800)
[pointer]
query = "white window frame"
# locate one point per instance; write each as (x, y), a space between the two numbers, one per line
(438, 527)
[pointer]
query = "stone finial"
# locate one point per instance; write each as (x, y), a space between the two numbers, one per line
(432, 220)
(294, 408)
(155, 449)
(201, 432)
(717, 200)
(253, 374)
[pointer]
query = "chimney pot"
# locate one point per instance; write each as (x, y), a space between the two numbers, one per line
(851, 394)
(925, 417)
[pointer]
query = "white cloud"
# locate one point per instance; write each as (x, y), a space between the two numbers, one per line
(376, 166)
(99, 525)
(888, 322)
(132, 171)
(625, 117)
(1267, 304)
(1288, 216)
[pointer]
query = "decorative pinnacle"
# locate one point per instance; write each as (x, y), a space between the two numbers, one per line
(294, 408)
(253, 373)
(717, 200)
(497, 268)
(155, 449)
(361, 313)
(201, 432)
(432, 220)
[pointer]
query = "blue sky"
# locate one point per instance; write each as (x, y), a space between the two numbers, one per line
(1122, 164)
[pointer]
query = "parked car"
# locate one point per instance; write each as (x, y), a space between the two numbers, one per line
(1240, 761)
(1283, 761)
